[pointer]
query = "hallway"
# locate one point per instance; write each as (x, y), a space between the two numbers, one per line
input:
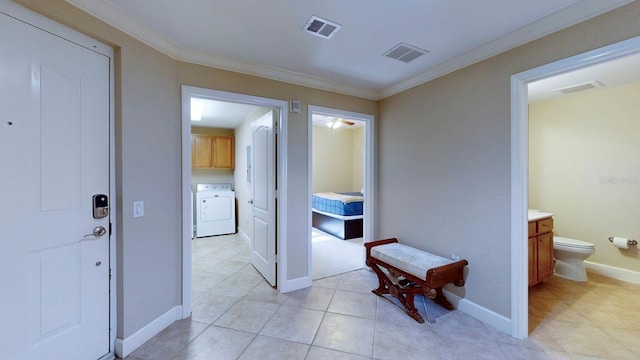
(236, 315)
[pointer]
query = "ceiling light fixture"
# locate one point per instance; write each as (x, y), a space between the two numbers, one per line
(197, 106)
(334, 123)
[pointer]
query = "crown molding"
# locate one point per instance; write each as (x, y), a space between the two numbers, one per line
(559, 20)
(566, 17)
(273, 73)
(104, 11)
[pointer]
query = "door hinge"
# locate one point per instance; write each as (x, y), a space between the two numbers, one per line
(275, 194)
(109, 229)
(109, 274)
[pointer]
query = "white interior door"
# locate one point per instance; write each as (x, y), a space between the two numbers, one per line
(54, 156)
(264, 200)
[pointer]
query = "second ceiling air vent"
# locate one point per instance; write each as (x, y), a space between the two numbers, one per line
(405, 52)
(321, 27)
(579, 87)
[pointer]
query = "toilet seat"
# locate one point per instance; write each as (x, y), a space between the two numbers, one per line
(572, 243)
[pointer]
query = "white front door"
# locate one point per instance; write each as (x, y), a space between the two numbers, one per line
(54, 156)
(264, 200)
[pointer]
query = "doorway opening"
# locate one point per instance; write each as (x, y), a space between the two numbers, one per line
(520, 165)
(341, 190)
(225, 124)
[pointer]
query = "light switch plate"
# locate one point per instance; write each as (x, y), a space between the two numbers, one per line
(138, 208)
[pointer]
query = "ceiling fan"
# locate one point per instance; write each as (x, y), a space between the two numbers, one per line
(336, 122)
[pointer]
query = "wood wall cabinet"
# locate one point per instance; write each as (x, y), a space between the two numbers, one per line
(201, 153)
(212, 152)
(540, 250)
(223, 152)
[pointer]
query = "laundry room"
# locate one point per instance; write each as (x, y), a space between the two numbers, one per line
(220, 167)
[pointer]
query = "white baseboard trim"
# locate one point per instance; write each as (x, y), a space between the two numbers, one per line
(124, 347)
(476, 311)
(613, 272)
(295, 284)
(244, 236)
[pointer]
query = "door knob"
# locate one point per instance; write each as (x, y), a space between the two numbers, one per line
(97, 231)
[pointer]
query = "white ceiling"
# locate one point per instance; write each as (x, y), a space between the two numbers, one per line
(265, 38)
(226, 115)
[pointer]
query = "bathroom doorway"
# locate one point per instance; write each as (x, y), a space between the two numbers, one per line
(520, 86)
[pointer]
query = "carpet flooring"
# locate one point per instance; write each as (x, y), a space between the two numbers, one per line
(333, 256)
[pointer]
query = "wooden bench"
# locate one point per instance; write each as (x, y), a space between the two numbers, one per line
(409, 271)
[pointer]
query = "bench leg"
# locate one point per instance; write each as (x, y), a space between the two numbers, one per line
(383, 287)
(404, 295)
(409, 307)
(438, 297)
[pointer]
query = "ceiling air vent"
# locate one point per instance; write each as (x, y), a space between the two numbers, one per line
(321, 27)
(579, 87)
(405, 52)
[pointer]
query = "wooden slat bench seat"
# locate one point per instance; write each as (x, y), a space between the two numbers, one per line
(404, 271)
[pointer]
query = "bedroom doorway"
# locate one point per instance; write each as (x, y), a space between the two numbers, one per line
(340, 173)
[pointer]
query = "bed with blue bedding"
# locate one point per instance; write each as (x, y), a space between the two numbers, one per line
(339, 214)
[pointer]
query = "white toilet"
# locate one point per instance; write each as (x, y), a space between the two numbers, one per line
(570, 255)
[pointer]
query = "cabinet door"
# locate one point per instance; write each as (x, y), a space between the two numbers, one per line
(201, 155)
(545, 256)
(533, 259)
(223, 152)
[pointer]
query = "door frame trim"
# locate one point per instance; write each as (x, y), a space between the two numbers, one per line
(368, 171)
(281, 174)
(32, 18)
(520, 165)
(48, 25)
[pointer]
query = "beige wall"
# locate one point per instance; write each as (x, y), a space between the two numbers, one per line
(337, 159)
(357, 182)
(444, 156)
(443, 159)
(584, 166)
(148, 163)
(297, 155)
(148, 263)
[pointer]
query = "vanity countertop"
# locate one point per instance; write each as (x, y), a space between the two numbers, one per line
(534, 215)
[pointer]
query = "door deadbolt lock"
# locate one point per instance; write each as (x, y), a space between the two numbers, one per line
(100, 206)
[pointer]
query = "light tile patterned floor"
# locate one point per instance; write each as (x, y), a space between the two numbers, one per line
(236, 315)
(597, 319)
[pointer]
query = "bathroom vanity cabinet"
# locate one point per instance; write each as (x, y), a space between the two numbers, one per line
(540, 249)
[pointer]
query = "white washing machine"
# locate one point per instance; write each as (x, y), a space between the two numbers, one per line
(215, 209)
